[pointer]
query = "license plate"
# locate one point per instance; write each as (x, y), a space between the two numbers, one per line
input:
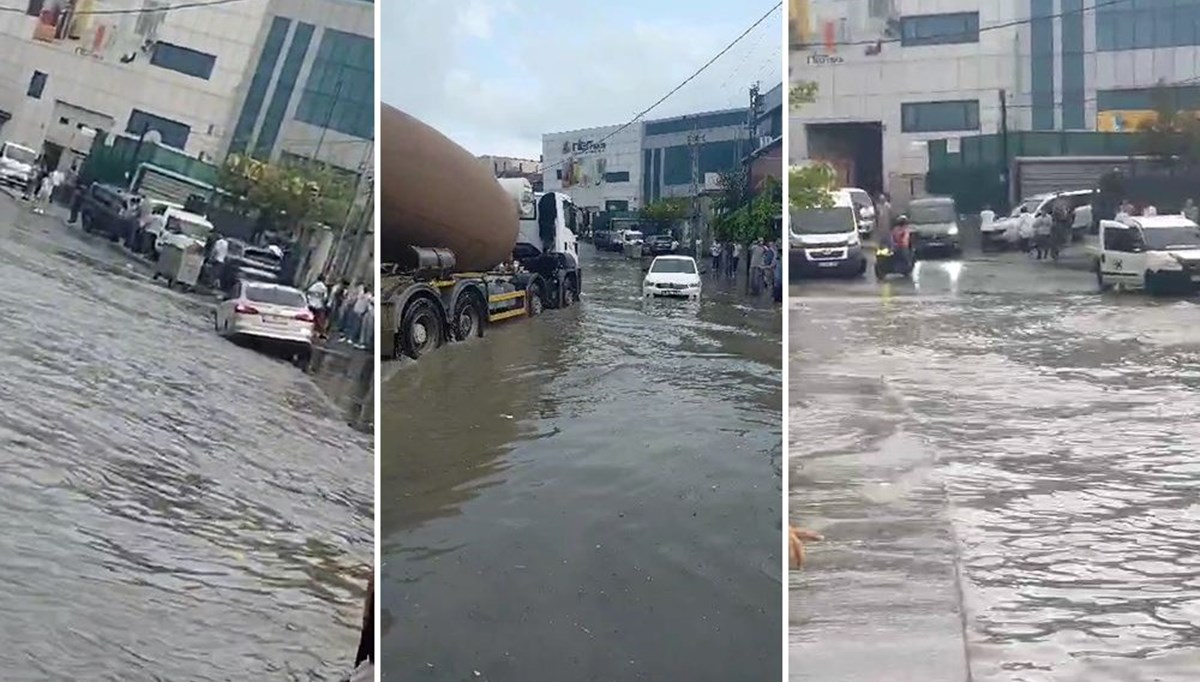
(275, 319)
(827, 265)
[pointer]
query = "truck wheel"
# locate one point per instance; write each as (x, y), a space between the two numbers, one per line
(566, 293)
(469, 315)
(534, 304)
(421, 328)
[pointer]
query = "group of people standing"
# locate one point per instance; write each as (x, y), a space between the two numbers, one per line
(44, 181)
(348, 310)
(762, 267)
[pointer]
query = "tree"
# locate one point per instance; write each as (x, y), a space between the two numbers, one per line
(756, 219)
(663, 214)
(1172, 135)
(808, 185)
(286, 197)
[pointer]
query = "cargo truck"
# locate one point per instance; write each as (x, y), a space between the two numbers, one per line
(461, 250)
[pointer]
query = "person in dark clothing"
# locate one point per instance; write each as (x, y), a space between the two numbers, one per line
(76, 193)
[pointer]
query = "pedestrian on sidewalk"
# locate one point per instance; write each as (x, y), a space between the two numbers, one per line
(366, 327)
(737, 256)
(353, 310)
(216, 265)
(45, 191)
(768, 266)
(715, 252)
(756, 266)
(76, 192)
(317, 295)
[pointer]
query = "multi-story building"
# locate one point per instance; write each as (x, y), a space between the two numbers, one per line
(893, 74)
(599, 167)
(508, 166)
(766, 158)
(623, 168)
(271, 78)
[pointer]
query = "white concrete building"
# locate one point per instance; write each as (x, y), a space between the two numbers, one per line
(893, 74)
(504, 166)
(267, 77)
(601, 168)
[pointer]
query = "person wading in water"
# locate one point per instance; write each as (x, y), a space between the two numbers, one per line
(796, 539)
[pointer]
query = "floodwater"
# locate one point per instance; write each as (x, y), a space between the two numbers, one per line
(1007, 460)
(592, 495)
(175, 507)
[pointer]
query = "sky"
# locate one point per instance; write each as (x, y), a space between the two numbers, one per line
(495, 75)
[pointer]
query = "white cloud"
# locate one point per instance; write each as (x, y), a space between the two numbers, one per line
(539, 78)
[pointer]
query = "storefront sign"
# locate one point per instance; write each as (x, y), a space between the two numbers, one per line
(583, 147)
(822, 59)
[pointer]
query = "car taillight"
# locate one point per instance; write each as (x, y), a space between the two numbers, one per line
(304, 317)
(243, 309)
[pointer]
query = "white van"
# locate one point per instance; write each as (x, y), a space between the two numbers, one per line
(181, 229)
(826, 240)
(16, 164)
(1157, 254)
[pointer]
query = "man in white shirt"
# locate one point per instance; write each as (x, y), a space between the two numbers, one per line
(316, 294)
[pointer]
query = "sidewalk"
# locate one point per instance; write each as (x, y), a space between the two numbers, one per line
(879, 599)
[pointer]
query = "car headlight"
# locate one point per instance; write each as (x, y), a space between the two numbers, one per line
(953, 230)
(1168, 261)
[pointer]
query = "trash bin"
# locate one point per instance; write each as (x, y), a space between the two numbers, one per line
(180, 264)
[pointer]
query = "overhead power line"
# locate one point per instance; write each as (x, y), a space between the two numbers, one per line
(687, 80)
(196, 4)
(982, 29)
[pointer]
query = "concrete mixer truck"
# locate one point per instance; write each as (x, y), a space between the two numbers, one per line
(461, 250)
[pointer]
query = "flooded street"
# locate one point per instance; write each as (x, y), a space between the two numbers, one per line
(175, 507)
(591, 495)
(1004, 465)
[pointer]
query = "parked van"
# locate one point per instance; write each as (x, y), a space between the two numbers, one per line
(826, 240)
(16, 164)
(1156, 254)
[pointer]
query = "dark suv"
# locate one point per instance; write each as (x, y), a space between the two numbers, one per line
(110, 211)
(660, 244)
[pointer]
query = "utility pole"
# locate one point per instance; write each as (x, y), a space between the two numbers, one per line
(1004, 171)
(695, 139)
(756, 102)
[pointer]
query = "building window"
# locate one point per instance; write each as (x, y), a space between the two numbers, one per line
(618, 176)
(37, 83)
(285, 85)
(184, 60)
(1130, 25)
(615, 205)
(689, 124)
(936, 117)
(174, 134)
(340, 91)
(939, 29)
(34, 7)
(243, 131)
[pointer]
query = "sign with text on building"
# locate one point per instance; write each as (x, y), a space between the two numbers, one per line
(1126, 121)
(582, 147)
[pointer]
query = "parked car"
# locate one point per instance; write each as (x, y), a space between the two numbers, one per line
(934, 224)
(1006, 231)
(16, 164)
(181, 228)
(270, 313)
(631, 237)
(249, 262)
(675, 276)
(109, 210)
(1157, 254)
(661, 244)
(151, 225)
(864, 210)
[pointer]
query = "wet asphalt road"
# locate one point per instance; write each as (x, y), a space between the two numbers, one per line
(1004, 464)
(175, 507)
(593, 495)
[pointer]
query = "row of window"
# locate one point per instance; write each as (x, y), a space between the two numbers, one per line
(1143, 24)
(939, 29)
(936, 117)
(340, 91)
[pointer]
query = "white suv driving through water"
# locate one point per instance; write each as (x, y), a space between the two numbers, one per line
(826, 240)
(1157, 254)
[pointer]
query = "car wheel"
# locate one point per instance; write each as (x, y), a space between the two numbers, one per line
(421, 328)
(1100, 283)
